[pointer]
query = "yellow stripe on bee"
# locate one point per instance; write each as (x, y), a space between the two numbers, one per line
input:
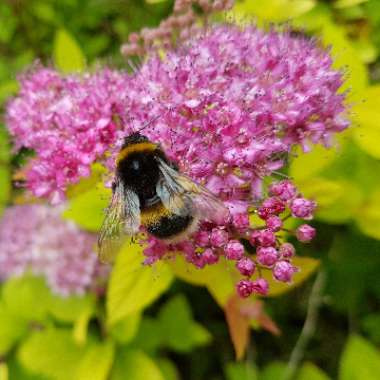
(135, 148)
(153, 214)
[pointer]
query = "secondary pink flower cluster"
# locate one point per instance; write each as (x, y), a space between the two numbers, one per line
(227, 106)
(34, 238)
(267, 249)
(178, 26)
(68, 122)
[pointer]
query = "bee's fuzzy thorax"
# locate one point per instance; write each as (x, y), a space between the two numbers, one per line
(139, 147)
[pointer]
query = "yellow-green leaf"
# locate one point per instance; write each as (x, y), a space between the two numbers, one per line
(366, 49)
(368, 219)
(135, 365)
(307, 165)
(12, 328)
(88, 183)
(241, 371)
(306, 265)
(367, 116)
(168, 369)
(132, 285)
(320, 22)
(5, 185)
(20, 295)
(126, 329)
(81, 327)
(4, 373)
(68, 56)
(309, 371)
(273, 10)
(51, 352)
(67, 309)
(345, 56)
(96, 362)
(360, 360)
(217, 278)
(8, 88)
(324, 191)
(337, 200)
(87, 209)
(181, 334)
(347, 3)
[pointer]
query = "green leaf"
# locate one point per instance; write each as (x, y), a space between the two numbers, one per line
(307, 165)
(346, 205)
(4, 374)
(177, 331)
(132, 285)
(67, 309)
(345, 56)
(5, 173)
(371, 325)
(240, 371)
(150, 335)
(273, 10)
(168, 369)
(5, 186)
(181, 333)
(8, 89)
(367, 51)
(5, 150)
(217, 278)
(8, 24)
(367, 114)
(368, 219)
(307, 266)
(12, 328)
(134, 364)
(320, 22)
(51, 352)
(68, 56)
(18, 372)
(126, 329)
(353, 259)
(273, 371)
(87, 209)
(311, 372)
(80, 329)
(200, 335)
(45, 12)
(88, 183)
(20, 295)
(96, 363)
(360, 360)
(347, 3)
(337, 200)
(325, 191)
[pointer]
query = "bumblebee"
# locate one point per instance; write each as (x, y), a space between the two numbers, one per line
(150, 192)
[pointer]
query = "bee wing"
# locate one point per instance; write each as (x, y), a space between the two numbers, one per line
(122, 217)
(175, 189)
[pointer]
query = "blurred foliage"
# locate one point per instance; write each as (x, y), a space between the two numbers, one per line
(142, 332)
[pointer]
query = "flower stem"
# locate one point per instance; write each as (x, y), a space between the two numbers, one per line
(308, 328)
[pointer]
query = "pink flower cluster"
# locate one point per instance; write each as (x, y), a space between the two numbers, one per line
(228, 106)
(68, 122)
(34, 238)
(267, 250)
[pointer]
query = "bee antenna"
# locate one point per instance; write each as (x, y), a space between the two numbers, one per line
(148, 123)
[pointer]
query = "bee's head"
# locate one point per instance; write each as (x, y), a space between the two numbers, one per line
(134, 138)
